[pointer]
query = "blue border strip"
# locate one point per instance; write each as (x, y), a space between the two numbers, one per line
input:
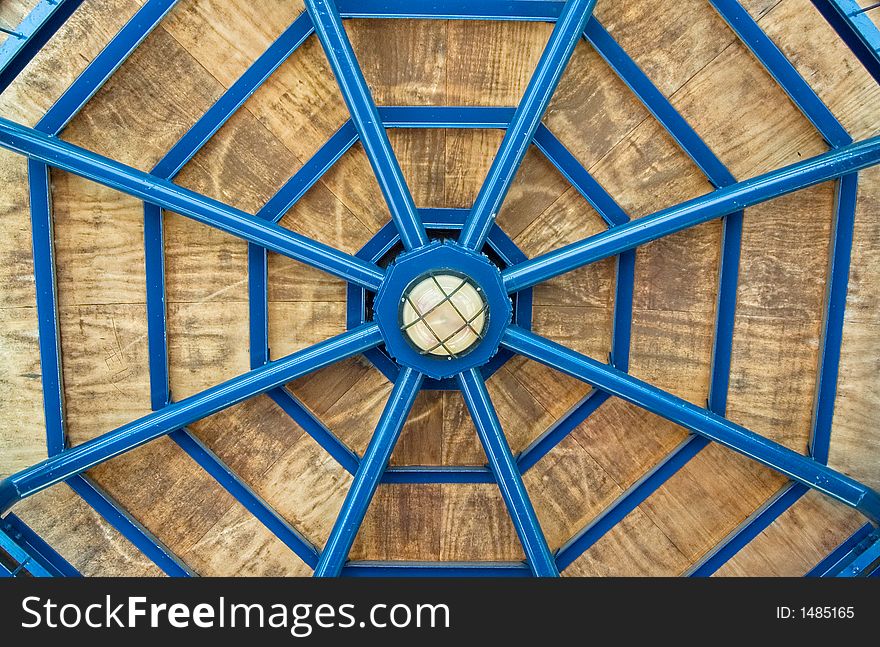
(435, 569)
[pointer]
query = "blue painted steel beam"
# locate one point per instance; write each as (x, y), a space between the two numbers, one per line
(232, 99)
(59, 154)
(700, 421)
(629, 500)
(465, 117)
(438, 474)
(720, 202)
(31, 35)
(834, 562)
(104, 65)
(520, 10)
(369, 473)
(528, 115)
(246, 496)
(832, 324)
(501, 462)
(435, 569)
(128, 526)
(36, 548)
(657, 104)
(374, 138)
(775, 62)
(856, 29)
(43, 240)
(753, 526)
(134, 434)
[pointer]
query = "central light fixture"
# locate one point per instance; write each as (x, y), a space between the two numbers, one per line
(444, 314)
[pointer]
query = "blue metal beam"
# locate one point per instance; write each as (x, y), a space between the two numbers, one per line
(435, 569)
(59, 154)
(501, 462)
(573, 418)
(832, 324)
(369, 473)
(573, 171)
(23, 561)
(528, 115)
(520, 10)
(466, 117)
(438, 474)
(232, 99)
(781, 69)
(125, 438)
(865, 559)
(43, 240)
(351, 81)
(720, 202)
(31, 35)
(700, 421)
(315, 428)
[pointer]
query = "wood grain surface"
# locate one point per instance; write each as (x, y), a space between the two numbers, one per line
(201, 48)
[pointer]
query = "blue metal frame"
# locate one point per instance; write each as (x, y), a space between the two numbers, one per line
(410, 227)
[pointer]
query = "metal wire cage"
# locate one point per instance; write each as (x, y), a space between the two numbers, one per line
(479, 248)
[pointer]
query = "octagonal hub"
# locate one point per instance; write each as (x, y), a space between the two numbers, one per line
(442, 309)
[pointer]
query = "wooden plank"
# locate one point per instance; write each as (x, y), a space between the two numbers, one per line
(23, 434)
(402, 523)
(476, 525)
(81, 536)
(828, 65)
(798, 540)
(635, 547)
(66, 55)
(708, 498)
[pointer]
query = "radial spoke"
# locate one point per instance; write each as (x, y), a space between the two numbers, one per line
(719, 203)
(778, 457)
(331, 33)
(60, 154)
(98, 450)
(369, 473)
(566, 33)
(506, 473)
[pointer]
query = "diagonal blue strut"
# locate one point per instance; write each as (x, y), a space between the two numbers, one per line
(566, 33)
(369, 473)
